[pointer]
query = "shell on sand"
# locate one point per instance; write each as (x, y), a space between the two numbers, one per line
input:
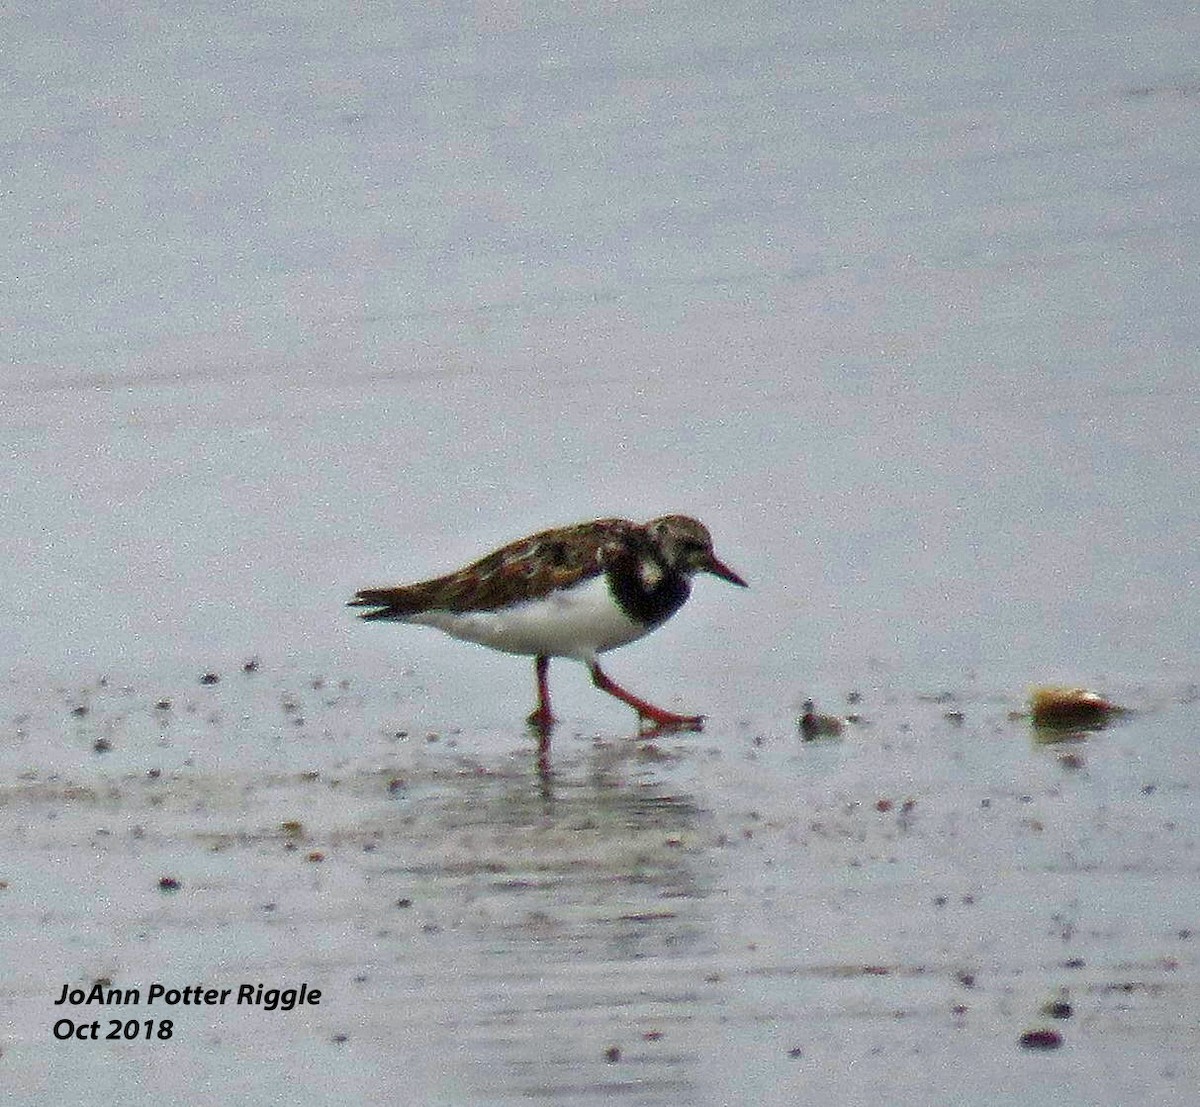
(1053, 705)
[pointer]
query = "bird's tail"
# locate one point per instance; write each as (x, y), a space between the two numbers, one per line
(387, 603)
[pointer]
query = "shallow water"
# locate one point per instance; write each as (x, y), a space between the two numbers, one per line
(728, 917)
(901, 306)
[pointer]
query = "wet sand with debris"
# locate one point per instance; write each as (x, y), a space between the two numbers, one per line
(903, 309)
(732, 917)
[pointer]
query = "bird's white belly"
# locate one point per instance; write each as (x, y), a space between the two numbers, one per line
(579, 622)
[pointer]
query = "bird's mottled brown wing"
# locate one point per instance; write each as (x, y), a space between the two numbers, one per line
(526, 569)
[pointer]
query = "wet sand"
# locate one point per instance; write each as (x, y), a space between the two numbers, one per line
(732, 917)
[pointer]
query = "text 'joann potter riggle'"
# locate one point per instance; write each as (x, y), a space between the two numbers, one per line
(194, 995)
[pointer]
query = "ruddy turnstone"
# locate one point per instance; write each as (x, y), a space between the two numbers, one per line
(574, 591)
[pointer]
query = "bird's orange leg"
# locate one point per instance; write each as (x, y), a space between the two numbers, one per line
(662, 720)
(541, 717)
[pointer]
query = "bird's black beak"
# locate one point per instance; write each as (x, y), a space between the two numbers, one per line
(718, 568)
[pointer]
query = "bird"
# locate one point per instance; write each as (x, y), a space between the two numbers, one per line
(573, 592)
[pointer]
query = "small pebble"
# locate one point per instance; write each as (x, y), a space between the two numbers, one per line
(1041, 1039)
(814, 725)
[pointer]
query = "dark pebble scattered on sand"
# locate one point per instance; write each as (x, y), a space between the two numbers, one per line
(1041, 1039)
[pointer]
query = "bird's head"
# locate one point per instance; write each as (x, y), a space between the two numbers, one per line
(686, 546)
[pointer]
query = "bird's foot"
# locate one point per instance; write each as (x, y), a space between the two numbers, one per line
(656, 722)
(541, 720)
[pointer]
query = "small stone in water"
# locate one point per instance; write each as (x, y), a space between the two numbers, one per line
(1041, 1039)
